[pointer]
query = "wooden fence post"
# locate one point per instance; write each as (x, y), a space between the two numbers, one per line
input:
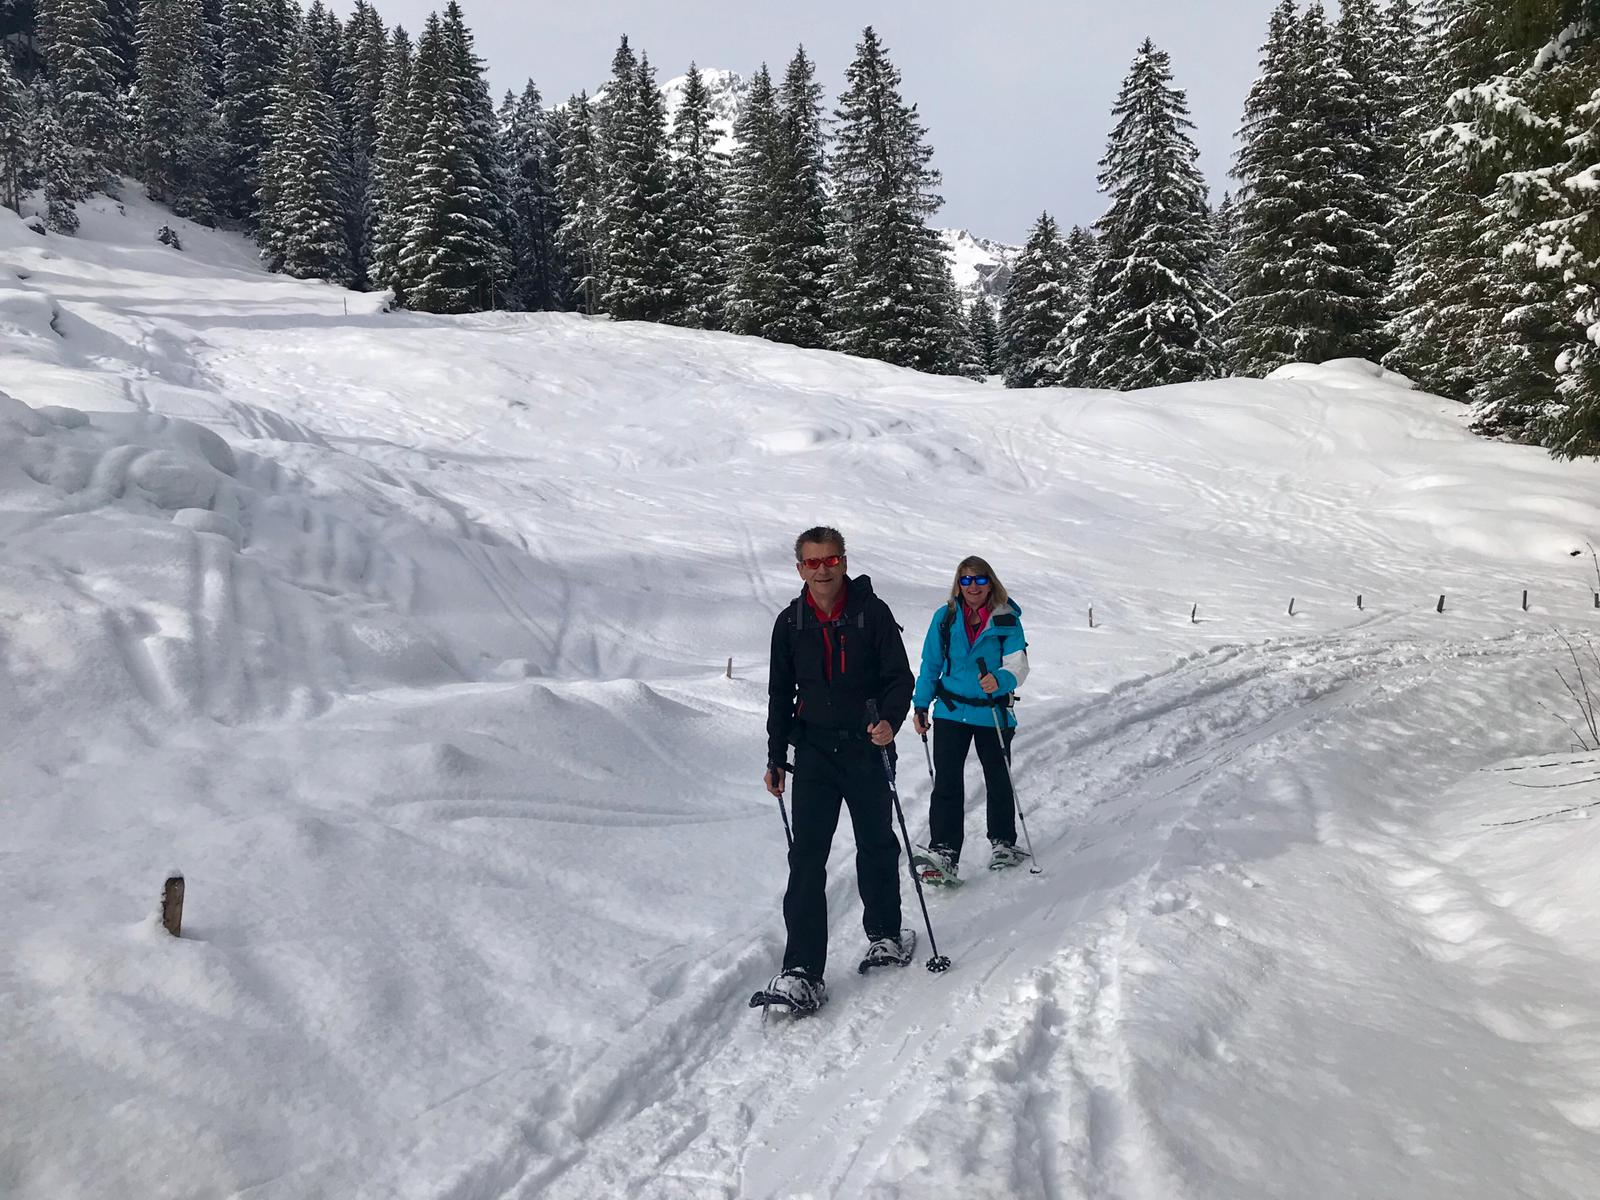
(172, 905)
(1194, 619)
(1091, 616)
(1291, 606)
(1360, 607)
(1441, 605)
(730, 668)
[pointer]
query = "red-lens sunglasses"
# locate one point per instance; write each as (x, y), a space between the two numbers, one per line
(816, 564)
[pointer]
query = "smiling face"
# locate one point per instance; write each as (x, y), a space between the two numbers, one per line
(973, 593)
(822, 565)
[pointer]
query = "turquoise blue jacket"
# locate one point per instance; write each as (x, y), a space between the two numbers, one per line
(1002, 646)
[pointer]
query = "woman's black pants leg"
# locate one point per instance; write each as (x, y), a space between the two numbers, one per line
(947, 809)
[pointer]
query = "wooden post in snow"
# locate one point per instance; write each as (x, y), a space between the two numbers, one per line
(1091, 616)
(172, 905)
(1194, 618)
(1359, 606)
(1441, 605)
(730, 668)
(1291, 606)
(1524, 599)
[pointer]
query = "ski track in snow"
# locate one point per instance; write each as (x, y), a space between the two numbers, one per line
(1024, 1065)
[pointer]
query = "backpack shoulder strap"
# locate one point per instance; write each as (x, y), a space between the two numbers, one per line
(946, 622)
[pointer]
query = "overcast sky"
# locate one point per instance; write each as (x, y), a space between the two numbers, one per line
(1016, 95)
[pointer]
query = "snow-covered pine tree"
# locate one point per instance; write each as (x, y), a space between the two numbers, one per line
(122, 19)
(306, 173)
(1339, 254)
(1371, 173)
(1039, 303)
(391, 170)
(1524, 121)
(453, 252)
(800, 226)
(1224, 227)
(580, 236)
(327, 40)
(554, 131)
(59, 169)
(252, 61)
(362, 71)
(638, 247)
(211, 50)
(1151, 298)
(694, 217)
(1261, 328)
(1311, 254)
(1571, 426)
(616, 97)
(755, 279)
(1082, 256)
(535, 285)
(16, 156)
(1083, 252)
(84, 67)
(984, 335)
(1570, 246)
(1398, 103)
(959, 357)
(887, 299)
(180, 146)
(1445, 275)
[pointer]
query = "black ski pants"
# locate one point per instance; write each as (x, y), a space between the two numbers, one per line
(827, 774)
(947, 809)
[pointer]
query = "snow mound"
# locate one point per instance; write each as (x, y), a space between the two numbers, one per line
(1342, 372)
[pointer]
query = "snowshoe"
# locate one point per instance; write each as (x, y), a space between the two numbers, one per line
(890, 952)
(936, 866)
(793, 992)
(1005, 854)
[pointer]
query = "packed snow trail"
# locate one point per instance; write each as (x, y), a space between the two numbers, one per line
(407, 639)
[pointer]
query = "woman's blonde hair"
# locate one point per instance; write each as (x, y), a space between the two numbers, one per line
(973, 565)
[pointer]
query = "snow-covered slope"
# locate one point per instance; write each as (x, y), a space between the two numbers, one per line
(406, 639)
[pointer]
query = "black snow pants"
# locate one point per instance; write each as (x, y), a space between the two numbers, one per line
(947, 808)
(828, 772)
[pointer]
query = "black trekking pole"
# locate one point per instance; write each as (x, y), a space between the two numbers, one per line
(938, 962)
(929, 753)
(788, 836)
(1016, 798)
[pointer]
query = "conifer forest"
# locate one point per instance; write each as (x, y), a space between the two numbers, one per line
(1415, 182)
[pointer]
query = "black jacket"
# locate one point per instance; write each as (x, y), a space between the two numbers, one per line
(869, 663)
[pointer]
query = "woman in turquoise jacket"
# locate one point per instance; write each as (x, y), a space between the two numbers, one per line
(979, 621)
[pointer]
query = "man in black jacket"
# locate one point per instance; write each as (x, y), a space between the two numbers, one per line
(834, 648)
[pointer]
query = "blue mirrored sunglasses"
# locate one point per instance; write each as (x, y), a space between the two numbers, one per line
(974, 580)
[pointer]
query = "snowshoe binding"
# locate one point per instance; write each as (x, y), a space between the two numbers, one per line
(1005, 854)
(793, 992)
(890, 952)
(936, 866)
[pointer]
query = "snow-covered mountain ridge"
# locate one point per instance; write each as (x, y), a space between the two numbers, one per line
(982, 266)
(406, 638)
